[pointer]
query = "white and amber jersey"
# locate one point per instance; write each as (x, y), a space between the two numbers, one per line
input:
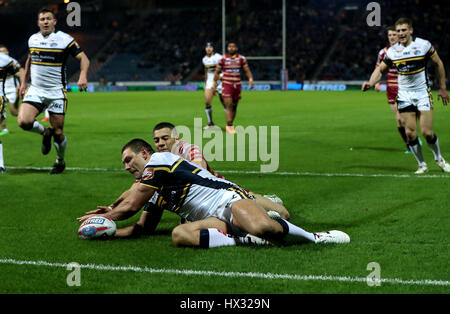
(189, 190)
(8, 67)
(210, 64)
(48, 58)
(411, 64)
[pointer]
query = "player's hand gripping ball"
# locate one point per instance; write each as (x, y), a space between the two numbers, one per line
(97, 227)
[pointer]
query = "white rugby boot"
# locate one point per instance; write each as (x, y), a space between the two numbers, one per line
(332, 236)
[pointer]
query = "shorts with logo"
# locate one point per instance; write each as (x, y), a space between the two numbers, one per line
(54, 100)
(414, 101)
(231, 91)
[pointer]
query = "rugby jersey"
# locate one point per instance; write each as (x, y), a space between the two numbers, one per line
(8, 66)
(392, 75)
(231, 68)
(210, 64)
(48, 58)
(411, 63)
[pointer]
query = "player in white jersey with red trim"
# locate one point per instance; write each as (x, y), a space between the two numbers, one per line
(210, 62)
(410, 56)
(11, 89)
(45, 65)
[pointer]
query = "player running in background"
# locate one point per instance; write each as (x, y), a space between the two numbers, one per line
(11, 91)
(410, 56)
(210, 61)
(231, 66)
(8, 66)
(45, 65)
(219, 211)
(392, 84)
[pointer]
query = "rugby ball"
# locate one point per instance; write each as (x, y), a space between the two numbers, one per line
(96, 227)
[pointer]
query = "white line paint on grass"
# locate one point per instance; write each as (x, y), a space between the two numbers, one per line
(278, 173)
(190, 272)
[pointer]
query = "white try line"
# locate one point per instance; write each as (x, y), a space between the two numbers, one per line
(189, 272)
(277, 173)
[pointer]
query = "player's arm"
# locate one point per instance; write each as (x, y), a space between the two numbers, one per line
(84, 67)
(25, 77)
(376, 76)
(217, 75)
(132, 203)
(149, 220)
(440, 69)
(249, 75)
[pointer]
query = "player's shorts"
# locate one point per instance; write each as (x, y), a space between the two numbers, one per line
(3, 103)
(391, 93)
(11, 95)
(52, 99)
(209, 85)
(232, 91)
(414, 101)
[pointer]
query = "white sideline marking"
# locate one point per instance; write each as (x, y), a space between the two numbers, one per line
(278, 173)
(188, 272)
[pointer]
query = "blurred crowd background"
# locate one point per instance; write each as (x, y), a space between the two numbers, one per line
(156, 40)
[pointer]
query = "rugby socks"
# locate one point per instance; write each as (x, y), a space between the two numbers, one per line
(210, 238)
(2, 162)
(434, 146)
(416, 149)
(209, 115)
(295, 231)
(37, 128)
(60, 148)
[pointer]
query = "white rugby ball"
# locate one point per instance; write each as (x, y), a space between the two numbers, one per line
(96, 227)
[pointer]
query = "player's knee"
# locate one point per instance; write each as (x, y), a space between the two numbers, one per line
(25, 124)
(181, 237)
(428, 134)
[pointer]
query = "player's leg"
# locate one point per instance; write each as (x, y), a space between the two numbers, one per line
(59, 141)
(400, 127)
(26, 118)
(2, 109)
(269, 205)
(3, 127)
(426, 127)
(249, 216)
(209, 233)
(208, 108)
(409, 117)
(14, 100)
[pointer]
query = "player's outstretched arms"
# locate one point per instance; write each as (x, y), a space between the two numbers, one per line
(149, 220)
(375, 77)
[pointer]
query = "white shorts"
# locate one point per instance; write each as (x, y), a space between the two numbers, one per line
(11, 95)
(412, 101)
(209, 84)
(52, 99)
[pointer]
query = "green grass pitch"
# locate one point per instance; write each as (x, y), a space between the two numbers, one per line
(341, 166)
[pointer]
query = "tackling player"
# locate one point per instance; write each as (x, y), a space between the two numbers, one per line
(392, 84)
(231, 65)
(8, 66)
(410, 56)
(220, 211)
(210, 61)
(11, 91)
(45, 65)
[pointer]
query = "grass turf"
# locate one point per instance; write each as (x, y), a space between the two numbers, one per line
(397, 219)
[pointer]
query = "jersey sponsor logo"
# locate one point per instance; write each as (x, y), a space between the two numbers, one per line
(148, 174)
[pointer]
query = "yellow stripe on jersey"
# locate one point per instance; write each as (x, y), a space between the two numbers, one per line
(47, 63)
(151, 186)
(196, 170)
(33, 49)
(408, 59)
(412, 72)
